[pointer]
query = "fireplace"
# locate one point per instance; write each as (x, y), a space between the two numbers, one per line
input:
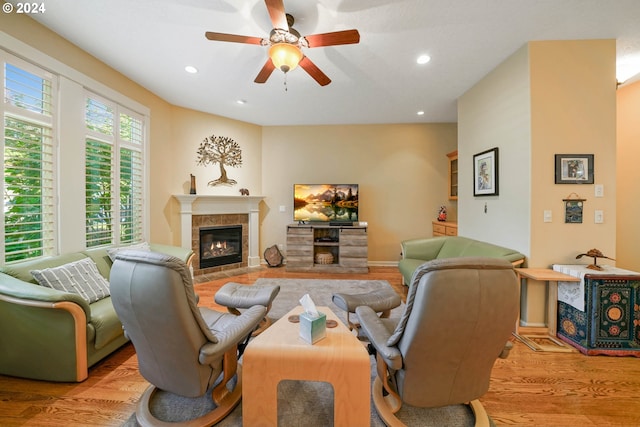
(220, 245)
(198, 211)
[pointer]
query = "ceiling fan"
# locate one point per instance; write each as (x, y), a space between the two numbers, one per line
(285, 52)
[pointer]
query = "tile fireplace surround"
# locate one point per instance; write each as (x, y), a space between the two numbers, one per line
(205, 210)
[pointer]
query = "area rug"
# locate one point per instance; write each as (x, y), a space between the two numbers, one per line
(320, 291)
(309, 403)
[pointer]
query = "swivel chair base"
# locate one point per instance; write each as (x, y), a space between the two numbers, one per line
(385, 407)
(224, 406)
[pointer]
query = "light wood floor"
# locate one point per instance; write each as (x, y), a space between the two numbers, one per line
(527, 389)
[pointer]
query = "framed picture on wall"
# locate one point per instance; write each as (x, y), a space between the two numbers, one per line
(574, 168)
(573, 211)
(485, 173)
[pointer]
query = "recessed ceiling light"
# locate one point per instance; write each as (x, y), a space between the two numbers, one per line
(420, 113)
(423, 59)
(241, 101)
(190, 69)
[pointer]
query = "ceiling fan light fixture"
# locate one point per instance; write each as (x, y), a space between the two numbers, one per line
(285, 56)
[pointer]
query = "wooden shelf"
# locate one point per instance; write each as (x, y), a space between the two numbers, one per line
(453, 175)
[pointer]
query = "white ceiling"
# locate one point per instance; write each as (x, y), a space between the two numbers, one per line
(375, 81)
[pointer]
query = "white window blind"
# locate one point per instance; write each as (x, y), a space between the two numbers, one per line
(99, 194)
(29, 217)
(114, 174)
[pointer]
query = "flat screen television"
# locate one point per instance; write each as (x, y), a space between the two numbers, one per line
(336, 203)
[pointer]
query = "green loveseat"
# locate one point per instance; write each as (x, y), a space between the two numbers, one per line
(47, 334)
(416, 252)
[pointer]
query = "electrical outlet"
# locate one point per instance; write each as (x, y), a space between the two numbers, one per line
(598, 217)
(283, 208)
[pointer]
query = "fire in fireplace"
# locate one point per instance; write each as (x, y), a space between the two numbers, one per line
(220, 245)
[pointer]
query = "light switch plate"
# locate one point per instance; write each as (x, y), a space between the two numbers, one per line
(599, 190)
(547, 216)
(598, 217)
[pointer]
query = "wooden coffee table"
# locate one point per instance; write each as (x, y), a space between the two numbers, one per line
(279, 353)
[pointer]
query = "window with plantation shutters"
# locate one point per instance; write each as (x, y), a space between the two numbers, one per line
(114, 174)
(28, 125)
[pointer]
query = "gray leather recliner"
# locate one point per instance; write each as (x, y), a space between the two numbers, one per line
(457, 321)
(181, 348)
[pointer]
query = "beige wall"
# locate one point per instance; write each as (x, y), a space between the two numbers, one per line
(174, 136)
(37, 36)
(401, 168)
(401, 171)
(496, 113)
(548, 98)
(573, 96)
(188, 129)
(628, 177)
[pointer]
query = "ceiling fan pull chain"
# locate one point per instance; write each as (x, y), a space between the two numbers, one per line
(285, 83)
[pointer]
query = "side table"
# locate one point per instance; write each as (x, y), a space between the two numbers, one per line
(552, 278)
(280, 354)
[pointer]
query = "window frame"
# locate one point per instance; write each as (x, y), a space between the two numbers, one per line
(70, 139)
(50, 213)
(118, 143)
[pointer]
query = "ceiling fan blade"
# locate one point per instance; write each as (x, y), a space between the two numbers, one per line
(314, 71)
(266, 71)
(277, 15)
(332, 39)
(234, 38)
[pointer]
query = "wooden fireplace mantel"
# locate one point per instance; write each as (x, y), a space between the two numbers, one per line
(209, 204)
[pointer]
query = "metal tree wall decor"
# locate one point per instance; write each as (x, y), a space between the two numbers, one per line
(222, 150)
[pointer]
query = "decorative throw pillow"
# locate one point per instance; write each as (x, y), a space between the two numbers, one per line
(144, 246)
(80, 277)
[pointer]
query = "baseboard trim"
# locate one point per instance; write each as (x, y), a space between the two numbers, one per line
(526, 324)
(369, 263)
(382, 263)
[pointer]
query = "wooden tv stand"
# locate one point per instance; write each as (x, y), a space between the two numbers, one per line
(325, 248)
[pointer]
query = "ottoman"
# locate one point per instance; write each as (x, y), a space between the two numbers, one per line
(235, 296)
(381, 301)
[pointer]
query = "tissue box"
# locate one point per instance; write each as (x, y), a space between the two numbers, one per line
(313, 329)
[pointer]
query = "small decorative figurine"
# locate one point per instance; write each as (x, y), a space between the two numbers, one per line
(244, 191)
(595, 254)
(442, 213)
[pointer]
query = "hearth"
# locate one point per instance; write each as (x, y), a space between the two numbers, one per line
(220, 245)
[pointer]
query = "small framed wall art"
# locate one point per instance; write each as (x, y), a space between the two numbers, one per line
(573, 209)
(485, 173)
(574, 168)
